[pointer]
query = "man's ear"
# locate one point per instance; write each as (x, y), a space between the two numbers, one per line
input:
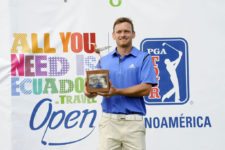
(133, 35)
(113, 35)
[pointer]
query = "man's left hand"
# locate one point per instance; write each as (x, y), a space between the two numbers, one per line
(112, 91)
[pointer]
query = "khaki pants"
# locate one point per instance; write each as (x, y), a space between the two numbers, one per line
(121, 132)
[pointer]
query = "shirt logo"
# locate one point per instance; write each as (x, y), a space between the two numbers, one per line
(170, 60)
(132, 66)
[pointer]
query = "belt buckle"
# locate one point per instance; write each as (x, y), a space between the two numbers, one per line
(122, 117)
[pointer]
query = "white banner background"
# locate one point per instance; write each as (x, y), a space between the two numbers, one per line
(200, 22)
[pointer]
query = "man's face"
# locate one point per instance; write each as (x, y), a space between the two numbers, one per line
(123, 34)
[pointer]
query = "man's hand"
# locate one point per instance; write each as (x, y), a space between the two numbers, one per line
(89, 95)
(112, 91)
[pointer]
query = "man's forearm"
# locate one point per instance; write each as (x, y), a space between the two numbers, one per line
(142, 89)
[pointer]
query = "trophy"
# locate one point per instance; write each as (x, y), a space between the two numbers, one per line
(98, 80)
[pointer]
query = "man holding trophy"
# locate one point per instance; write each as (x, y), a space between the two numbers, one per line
(131, 76)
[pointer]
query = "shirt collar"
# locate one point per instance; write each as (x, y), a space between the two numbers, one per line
(133, 52)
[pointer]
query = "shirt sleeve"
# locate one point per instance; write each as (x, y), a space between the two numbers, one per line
(147, 71)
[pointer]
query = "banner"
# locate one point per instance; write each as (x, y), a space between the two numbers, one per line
(47, 46)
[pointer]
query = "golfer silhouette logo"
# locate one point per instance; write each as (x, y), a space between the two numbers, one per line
(171, 67)
(170, 59)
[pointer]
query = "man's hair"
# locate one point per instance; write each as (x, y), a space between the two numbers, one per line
(123, 19)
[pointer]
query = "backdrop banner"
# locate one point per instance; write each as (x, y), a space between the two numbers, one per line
(48, 45)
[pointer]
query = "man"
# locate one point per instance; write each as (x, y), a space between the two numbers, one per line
(131, 76)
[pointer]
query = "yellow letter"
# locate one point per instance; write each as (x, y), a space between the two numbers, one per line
(20, 40)
(47, 47)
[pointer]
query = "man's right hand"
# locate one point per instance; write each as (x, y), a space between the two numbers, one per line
(89, 95)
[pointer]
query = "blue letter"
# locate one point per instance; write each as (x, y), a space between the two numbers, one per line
(35, 110)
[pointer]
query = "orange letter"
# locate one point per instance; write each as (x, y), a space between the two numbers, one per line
(65, 40)
(35, 48)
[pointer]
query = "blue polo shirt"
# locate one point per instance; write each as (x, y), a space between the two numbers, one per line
(132, 69)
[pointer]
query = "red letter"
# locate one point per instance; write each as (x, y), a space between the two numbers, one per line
(154, 94)
(76, 42)
(89, 43)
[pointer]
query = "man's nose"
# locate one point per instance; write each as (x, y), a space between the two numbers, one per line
(123, 34)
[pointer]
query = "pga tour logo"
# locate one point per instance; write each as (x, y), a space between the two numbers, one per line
(170, 60)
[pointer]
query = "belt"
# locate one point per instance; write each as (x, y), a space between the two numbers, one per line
(123, 116)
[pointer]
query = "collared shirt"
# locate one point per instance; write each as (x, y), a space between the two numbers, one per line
(133, 69)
